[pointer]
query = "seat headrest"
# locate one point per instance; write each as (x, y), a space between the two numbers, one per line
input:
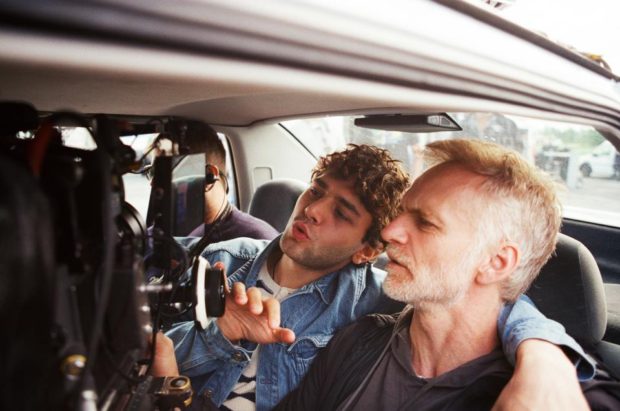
(569, 289)
(275, 200)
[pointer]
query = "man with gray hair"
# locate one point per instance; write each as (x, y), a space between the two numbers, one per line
(474, 231)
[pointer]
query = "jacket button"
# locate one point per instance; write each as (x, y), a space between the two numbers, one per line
(208, 393)
(238, 356)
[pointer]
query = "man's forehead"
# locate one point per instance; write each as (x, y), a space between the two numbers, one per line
(330, 181)
(443, 182)
(455, 173)
(345, 188)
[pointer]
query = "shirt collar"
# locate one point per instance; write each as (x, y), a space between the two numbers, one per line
(254, 265)
(326, 286)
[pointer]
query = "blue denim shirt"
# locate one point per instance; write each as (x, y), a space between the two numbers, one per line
(522, 320)
(314, 312)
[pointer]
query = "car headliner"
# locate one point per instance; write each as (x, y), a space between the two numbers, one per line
(269, 64)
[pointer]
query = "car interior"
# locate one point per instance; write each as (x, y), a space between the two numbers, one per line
(282, 86)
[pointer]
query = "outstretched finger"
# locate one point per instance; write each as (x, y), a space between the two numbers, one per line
(271, 307)
(255, 301)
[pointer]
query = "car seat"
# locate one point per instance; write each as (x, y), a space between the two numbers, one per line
(569, 289)
(275, 200)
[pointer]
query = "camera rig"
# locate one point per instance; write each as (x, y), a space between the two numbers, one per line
(104, 315)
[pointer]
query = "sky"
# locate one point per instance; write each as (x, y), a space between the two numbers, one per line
(591, 26)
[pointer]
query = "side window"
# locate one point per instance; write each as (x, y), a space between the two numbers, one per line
(230, 172)
(137, 185)
(190, 165)
(581, 161)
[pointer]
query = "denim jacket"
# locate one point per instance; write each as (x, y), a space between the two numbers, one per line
(314, 312)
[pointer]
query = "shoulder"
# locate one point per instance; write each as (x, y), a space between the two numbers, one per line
(376, 322)
(366, 329)
(362, 340)
(373, 299)
(242, 247)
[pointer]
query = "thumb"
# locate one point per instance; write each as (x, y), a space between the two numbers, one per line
(164, 362)
(284, 335)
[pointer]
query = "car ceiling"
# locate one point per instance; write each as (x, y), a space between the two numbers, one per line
(269, 67)
(214, 90)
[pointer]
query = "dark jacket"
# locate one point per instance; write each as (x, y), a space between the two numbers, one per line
(341, 368)
(235, 224)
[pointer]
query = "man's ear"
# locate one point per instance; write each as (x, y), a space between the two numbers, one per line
(499, 265)
(366, 254)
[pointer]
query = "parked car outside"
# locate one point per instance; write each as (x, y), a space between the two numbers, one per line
(603, 161)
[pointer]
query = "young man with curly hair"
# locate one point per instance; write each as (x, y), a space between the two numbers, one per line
(302, 287)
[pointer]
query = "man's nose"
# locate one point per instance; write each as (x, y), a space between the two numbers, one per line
(315, 211)
(395, 231)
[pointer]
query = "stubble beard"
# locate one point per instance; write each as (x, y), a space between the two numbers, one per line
(313, 258)
(424, 286)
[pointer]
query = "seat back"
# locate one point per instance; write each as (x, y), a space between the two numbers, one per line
(569, 289)
(275, 200)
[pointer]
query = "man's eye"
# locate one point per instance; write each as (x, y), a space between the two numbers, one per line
(424, 224)
(313, 192)
(341, 215)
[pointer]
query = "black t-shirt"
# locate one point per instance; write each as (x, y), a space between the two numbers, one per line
(337, 378)
(394, 384)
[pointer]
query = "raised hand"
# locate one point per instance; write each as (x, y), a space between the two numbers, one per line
(249, 316)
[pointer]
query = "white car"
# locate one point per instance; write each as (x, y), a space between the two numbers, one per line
(602, 162)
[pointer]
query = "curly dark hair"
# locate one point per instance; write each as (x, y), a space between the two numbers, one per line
(378, 180)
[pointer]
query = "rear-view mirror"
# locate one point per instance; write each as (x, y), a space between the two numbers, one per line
(409, 123)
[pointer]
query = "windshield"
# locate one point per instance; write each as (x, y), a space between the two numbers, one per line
(585, 166)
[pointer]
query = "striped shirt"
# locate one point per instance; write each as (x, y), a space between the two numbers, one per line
(243, 395)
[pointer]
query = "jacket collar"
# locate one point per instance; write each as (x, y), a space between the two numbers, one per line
(404, 319)
(326, 286)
